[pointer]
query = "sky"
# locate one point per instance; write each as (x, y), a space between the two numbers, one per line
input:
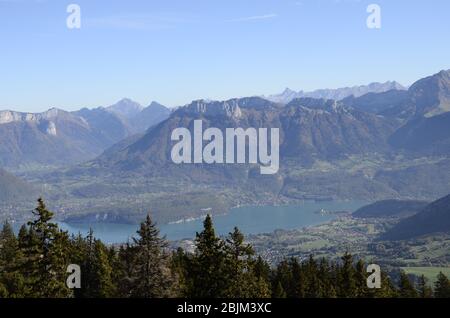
(176, 51)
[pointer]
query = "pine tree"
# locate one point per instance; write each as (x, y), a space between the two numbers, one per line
(102, 285)
(261, 269)
(11, 280)
(243, 283)
(387, 289)
(22, 237)
(425, 291)
(86, 258)
(126, 257)
(279, 292)
(311, 270)
(283, 277)
(326, 280)
(45, 252)
(347, 278)
(8, 245)
(238, 269)
(361, 279)
(442, 286)
(151, 272)
(406, 287)
(208, 270)
(79, 255)
(114, 261)
(298, 277)
(181, 265)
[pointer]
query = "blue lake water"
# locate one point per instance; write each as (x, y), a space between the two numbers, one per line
(250, 220)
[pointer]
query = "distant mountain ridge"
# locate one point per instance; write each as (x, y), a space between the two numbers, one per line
(47, 138)
(149, 116)
(377, 103)
(57, 137)
(390, 208)
(427, 110)
(337, 94)
(126, 108)
(133, 115)
(427, 97)
(434, 218)
(416, 120)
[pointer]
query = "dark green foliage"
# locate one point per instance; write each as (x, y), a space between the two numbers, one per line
(425, 291)
(11, 257)
(279, 291)
(208, 265)
(243, 280)
(45, 250)
(149, 273)
(442, 287)
(407, 289)
(347, 278)
(324, 279)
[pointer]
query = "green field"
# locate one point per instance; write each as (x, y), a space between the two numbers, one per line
(429, 272)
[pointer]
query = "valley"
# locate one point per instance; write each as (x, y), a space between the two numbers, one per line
(353, 149)
(126, 197)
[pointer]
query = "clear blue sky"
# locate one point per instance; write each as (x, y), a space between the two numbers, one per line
(174, 51)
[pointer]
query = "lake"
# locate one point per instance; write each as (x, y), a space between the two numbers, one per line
(249, 219)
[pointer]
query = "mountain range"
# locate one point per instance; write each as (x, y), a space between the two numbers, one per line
(388, 144)
(137, 117)
(376, 117)
(336, 94)
(311, 128)
(57, 137)
(424, 109)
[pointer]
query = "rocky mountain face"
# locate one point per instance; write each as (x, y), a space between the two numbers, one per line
(377, 102)
(424, 110)
(106, 127)
(126, 108)
(48, 138)
(58, 137)
(424, 136)
(427, 114)
(336, 94)
(329, 130)
(138, 118)
(428, 97)
(309, 128)
(148, 117)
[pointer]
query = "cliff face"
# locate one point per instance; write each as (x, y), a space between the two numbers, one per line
(58, 137)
